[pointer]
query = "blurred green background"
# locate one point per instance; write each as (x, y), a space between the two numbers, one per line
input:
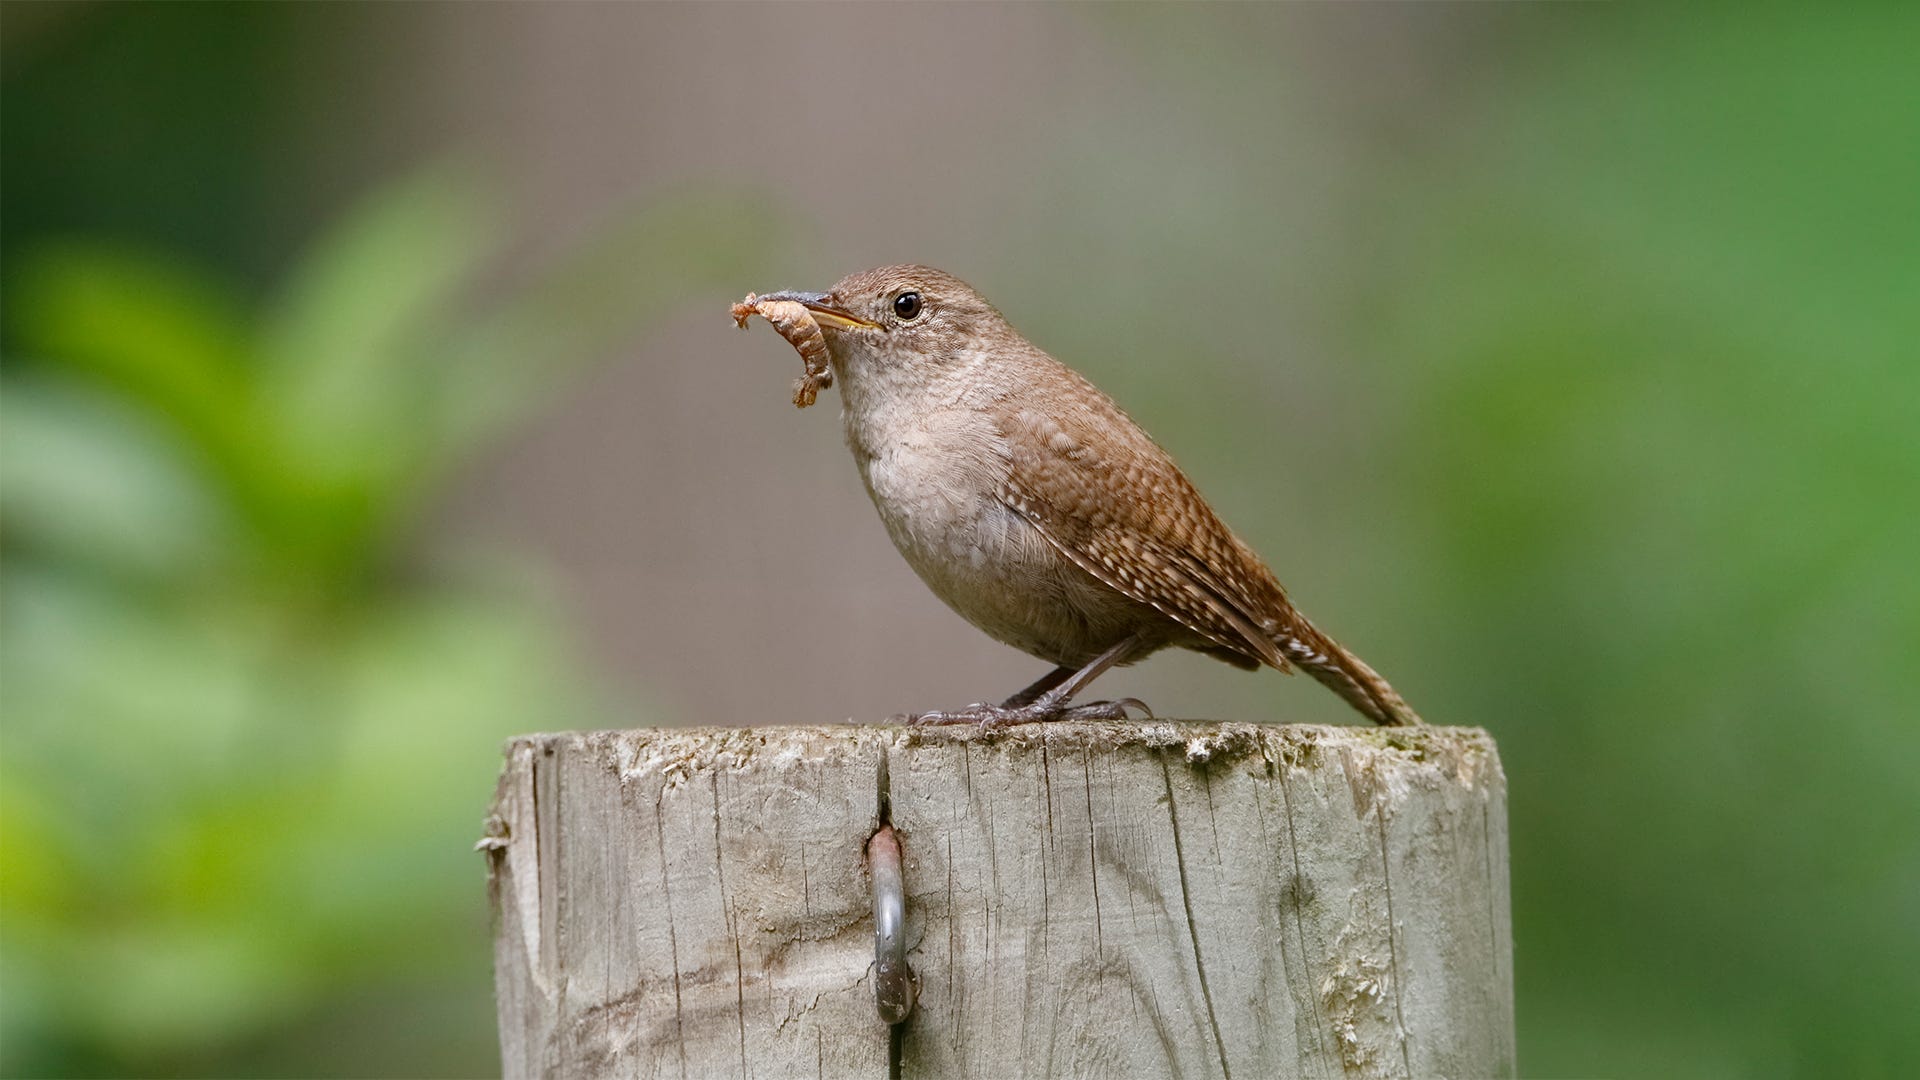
(367, 399)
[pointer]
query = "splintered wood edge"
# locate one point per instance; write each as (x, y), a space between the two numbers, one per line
(1461, 755)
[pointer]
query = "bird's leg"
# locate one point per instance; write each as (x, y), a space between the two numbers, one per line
(1041, 685)
(1048, 698)
(1052, 705)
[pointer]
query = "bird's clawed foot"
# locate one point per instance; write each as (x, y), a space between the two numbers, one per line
(1040, 712)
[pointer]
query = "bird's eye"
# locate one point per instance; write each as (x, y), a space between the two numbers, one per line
(907, 306)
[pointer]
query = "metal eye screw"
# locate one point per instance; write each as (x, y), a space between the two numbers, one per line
(893, 986)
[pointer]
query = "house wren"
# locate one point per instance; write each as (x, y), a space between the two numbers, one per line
(1034, 507)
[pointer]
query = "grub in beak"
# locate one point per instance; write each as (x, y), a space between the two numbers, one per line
(794, 319)
(824, 308)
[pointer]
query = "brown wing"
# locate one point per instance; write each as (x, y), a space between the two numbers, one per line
(1112, 501)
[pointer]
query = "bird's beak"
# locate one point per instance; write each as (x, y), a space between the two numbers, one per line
(823, 308)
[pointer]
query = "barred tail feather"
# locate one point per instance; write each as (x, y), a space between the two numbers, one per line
(1347, 675)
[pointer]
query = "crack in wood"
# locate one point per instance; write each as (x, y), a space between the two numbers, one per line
(1299, 919)
(1193, 931)
(727, 917)
(673, 938)
(1093, 856)
(1393, 950)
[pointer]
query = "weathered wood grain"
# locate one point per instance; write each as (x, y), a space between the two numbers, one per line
(1183, 899)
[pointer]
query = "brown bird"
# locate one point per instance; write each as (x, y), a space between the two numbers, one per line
(1037, 509)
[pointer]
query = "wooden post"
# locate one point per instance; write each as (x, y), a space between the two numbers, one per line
(1105, 899)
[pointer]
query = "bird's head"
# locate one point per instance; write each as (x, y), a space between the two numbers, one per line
(894, 319)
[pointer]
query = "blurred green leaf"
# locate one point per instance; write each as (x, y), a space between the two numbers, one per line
(164, 335)
(348, 347)
(641, 263)
(376, 370)
(87, 478)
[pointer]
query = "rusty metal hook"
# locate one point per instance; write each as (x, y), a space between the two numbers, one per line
(893, 990)
(893, 985)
